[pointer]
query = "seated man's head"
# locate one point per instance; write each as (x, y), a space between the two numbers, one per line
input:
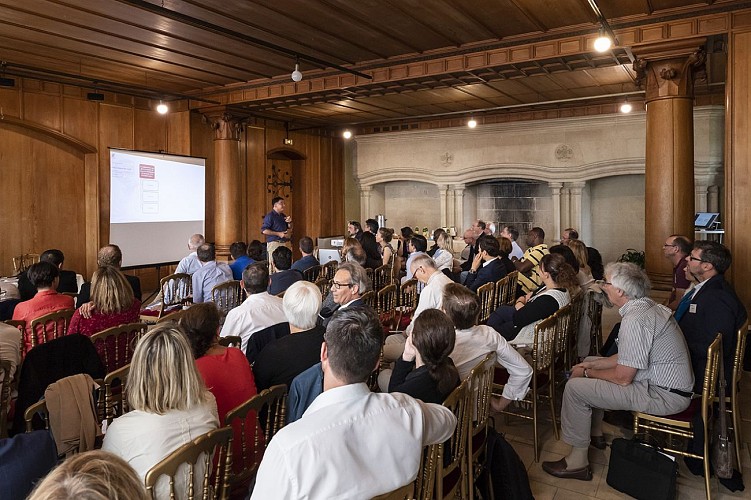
(282, 258)
(238, 249)
(479, 227)
(371, 225)
(625, 281)
(489, 247)
(417, 243)
(469, 237)
(569, 234)
(354, 227)
(43, 275)
(461, 305)
(306, 245)
(109, 255)
(54, 257)
(423, 267)
(707, 259)
(302, 303)
(510, 232)
(352, 346)
(350, 282)
(535, 236)
(206, 252)
(255, 250)
(195, 241)
(256, 278)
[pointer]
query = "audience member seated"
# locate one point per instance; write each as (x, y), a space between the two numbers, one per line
(529, 265)
(504, 251)
(486, 266)
(676, 248)
(190, 263)
(351, 443)
(651, 372)
(512, 234)
(349, 284)
(285, 358)
(594, 259)
(9, 297)
(44, 276)
(568, 255)
(434, 248)
(425, 371)
(517, 323)
(584, 276)
(303, 390)
(240, 260)
(67, 283)
(24, 460)
(405, 234)
(109, 255)
(257, 251)
(474, 342)
(443, 255)
(170, 407)
(307, 260)
(224, 370)
(211, 274)
(10, 346)
(383, 238)
(284, 275)
(417, 245)
(112, 304)
(260, 310)
(92, 475)
(372, 248)
(351, 252)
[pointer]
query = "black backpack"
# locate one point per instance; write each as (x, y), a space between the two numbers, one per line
(504, 470)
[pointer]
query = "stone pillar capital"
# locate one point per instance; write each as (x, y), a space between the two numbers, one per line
(555, 186)
(667, 70)
(366, 189)
(226, 126)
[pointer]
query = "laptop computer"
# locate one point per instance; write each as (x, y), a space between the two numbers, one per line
(327, 255)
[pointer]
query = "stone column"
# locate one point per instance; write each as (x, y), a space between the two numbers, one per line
(565, 208)
(450, 210)
(442, 190)
(365, 192)
(227, 180)
(667, 70)
(575, 217)
(459, 208)
(555, 188)
(700, 199)
(713, 199)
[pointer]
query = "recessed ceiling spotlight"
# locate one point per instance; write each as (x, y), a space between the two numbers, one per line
(626, 107)
(603, 42)
(471, 123)
(347, 134)
(162, 108)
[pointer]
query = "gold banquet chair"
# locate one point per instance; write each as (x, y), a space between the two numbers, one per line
(312, 273)
(485, 292)
(50, 326)
(119, 343)
(681, 423)
(328, 270)
(199, 451)
(113, 399)
(451, 474)
(5, 382)
(227, 296)
(479, 393)
(22, 262)
(406, 492)
(505, 290)
(381, 277)
(176, 289)
(732, 399)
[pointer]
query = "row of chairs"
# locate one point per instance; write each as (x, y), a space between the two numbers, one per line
(492, 295)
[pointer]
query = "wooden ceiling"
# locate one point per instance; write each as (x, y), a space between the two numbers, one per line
(220, 50)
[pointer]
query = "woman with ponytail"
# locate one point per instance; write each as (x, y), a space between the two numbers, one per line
(425, 371)
(517, 323)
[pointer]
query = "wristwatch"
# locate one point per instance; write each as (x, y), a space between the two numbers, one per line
(585, 373)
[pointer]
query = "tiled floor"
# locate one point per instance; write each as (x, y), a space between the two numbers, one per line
(546, 487)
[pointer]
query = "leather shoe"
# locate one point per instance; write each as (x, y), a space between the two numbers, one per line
(598, 442)
(558, 469)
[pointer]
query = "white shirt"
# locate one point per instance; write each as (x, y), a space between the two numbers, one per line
(351, 444)
(259, 311)
(143, 439)
(10, 346)
(431, 296)
(516, 250)
(473, 344)
(189, 264)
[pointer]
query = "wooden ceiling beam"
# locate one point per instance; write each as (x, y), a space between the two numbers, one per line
(477, 21)
(530, 16)
(409, 14)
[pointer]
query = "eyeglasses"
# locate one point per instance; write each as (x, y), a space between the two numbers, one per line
(691, 257)
(336, 285)
(666, 245)
(603, 282)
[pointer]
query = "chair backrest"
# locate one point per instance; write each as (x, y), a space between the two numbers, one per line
(175, 288)
(563, 328)
(323, 285)
(227, 295)
(40, 407)
(200, 451)
(173, 316)
(709, 388)
(479, 393)
(386, 303)
(21, 325)
(369, 298)
(543, 350)
(451, 453)
(50, 326)
(406, 492)
(117, 344)
(485, 292)
(408, 294)
(328, 270)
(5, 381)
(740, 351)
(113, 398)
(22, 262)
(311, 274)
(425, 481)
(594, 313)
(505, 290)
(381, 277)
(269, 406)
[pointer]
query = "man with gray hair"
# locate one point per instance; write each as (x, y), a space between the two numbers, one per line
(190, 263)
(211, 274)
(285, 358)
(109, 255)
(651, 372)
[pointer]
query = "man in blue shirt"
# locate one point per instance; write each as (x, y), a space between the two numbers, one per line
(277, 226)
(308, 260)
(238, 250)
(210, 274)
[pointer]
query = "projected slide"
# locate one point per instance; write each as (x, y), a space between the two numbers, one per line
(157, 201)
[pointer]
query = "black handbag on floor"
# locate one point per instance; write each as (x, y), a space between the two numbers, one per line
(641, 470)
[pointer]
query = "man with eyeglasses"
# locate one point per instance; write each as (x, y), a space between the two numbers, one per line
(675, 249)
(348, 285)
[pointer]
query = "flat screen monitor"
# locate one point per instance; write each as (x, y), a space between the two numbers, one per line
(705, 220)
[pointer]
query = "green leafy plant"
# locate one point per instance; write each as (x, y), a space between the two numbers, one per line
(634, 256)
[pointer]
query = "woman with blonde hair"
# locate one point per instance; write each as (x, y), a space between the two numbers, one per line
(171, 406)
(383, 238)
(93, 475)
(443, 256)
(580, 252)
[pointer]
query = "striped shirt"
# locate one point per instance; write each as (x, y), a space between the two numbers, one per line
(532, 280)
(651, 341)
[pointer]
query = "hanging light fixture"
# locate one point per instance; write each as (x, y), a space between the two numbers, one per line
(162, 108)
(296, 74)
(626, 106)
(603, 42)
(347, 134)
(472, 123)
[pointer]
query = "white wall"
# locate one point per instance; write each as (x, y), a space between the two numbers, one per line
(617, 211)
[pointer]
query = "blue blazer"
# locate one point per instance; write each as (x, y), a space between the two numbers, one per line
(492, 272)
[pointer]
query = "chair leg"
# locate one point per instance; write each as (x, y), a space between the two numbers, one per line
(534, 426)
(707, 484)
(551, 396)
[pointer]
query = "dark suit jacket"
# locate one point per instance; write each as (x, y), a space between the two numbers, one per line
(328, 312)
(281, 280)
(594, 261)
(492, 272)
(84, 295)
(718, 309)
(260, 339)
(284, 359)
(68, 283)
(370, 246)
